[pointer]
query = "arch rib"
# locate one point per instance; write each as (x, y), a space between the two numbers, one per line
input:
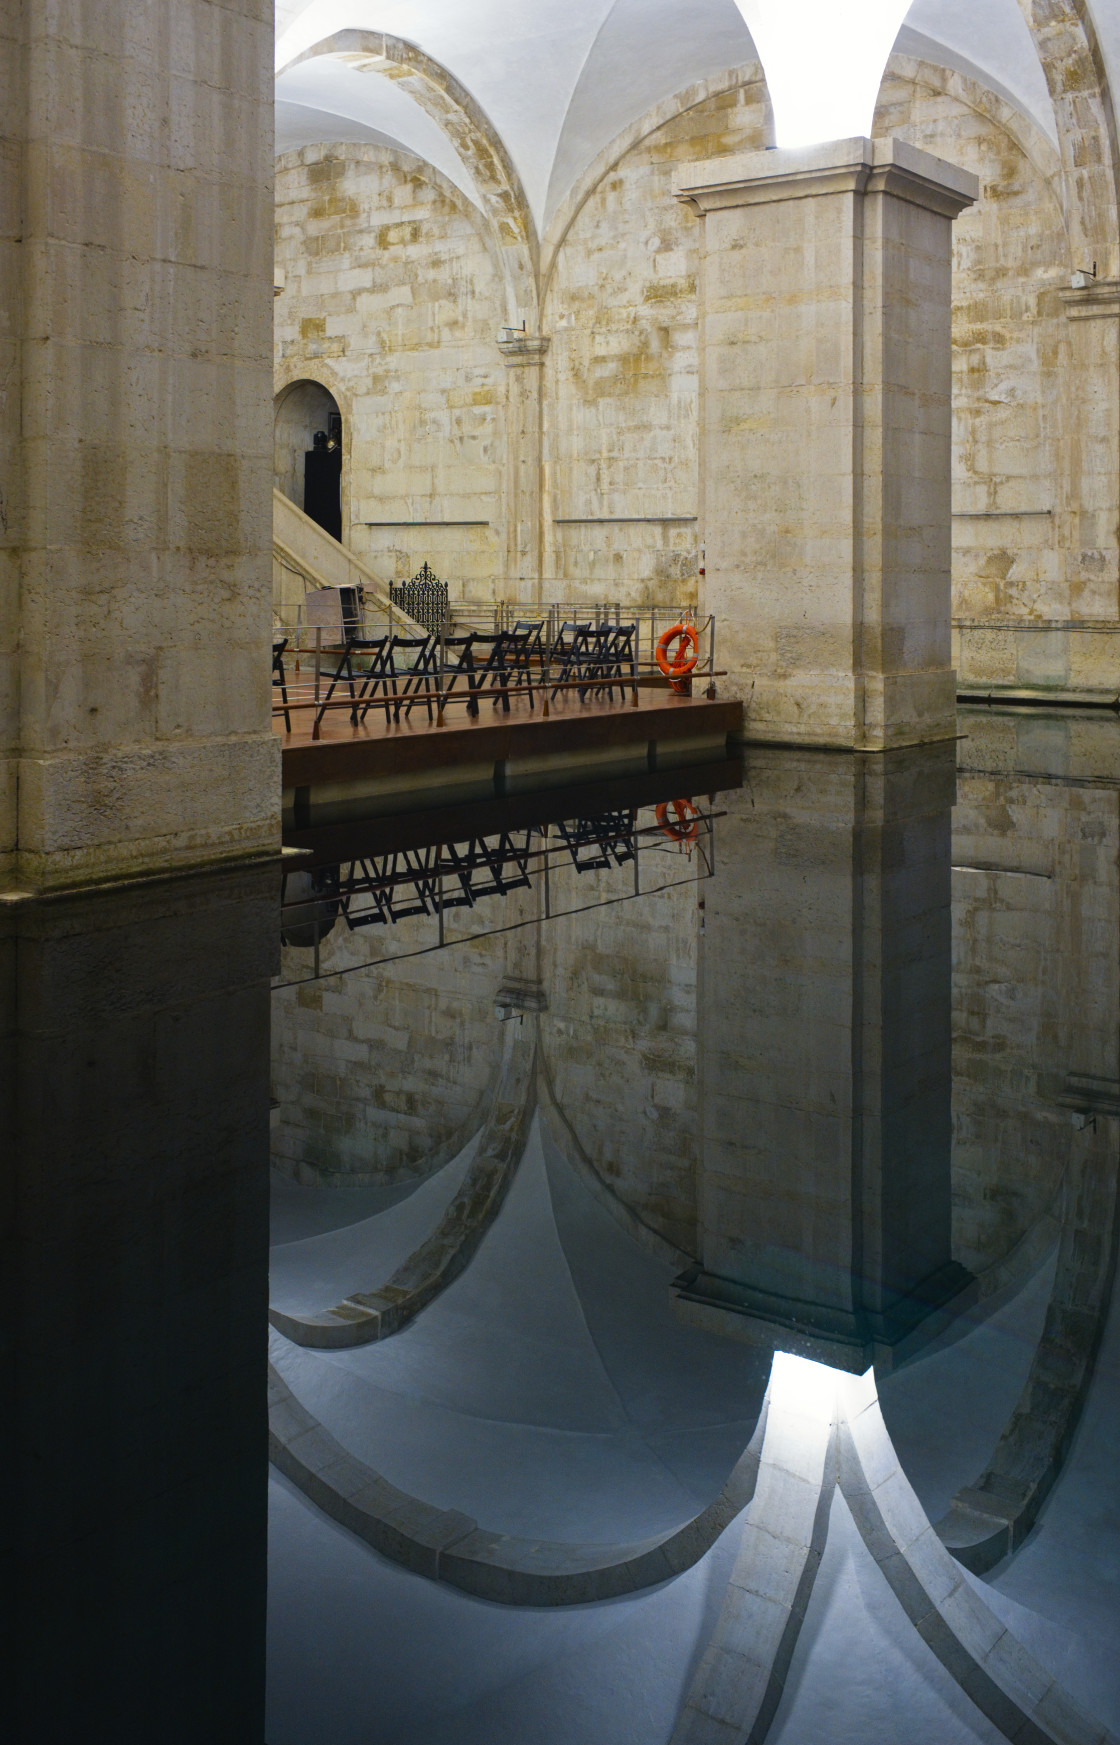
(1078, 84)
(473, 137)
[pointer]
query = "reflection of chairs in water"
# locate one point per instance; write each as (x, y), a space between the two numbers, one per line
(597, 844)
(487, 867)
(426, 881)
(279, 644)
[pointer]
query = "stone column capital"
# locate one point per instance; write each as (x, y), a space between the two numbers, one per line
(524, 348)
(858, 166)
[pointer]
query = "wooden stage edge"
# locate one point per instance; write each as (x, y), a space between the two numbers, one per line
(377, 769)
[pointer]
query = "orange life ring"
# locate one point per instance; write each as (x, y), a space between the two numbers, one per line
(681, 663)
(686, 829)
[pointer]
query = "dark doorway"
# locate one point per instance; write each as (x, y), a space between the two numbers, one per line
(308, 452)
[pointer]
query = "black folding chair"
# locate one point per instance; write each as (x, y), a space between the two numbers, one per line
(569, 652)
(525, 656)
(279, 644)
(478, 658)
(491, 671)
(611, 655)
(420, 676)
(370, 678)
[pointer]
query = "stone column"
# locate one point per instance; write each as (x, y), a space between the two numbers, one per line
(1093, 463)
(825, 1222)
(825, 436)
(524, 354)
(136, 254)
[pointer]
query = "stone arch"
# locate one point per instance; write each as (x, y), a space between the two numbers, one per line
(300, 408)
(566, 213)
(1012, 373)
(473, 137)
(301, 368)
(1036, 147)
(1078, 84)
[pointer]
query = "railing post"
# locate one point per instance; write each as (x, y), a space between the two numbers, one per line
(546, 674)
(317, 725)
(712, 657)
(439, 708)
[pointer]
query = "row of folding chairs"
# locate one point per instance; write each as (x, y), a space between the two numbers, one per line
(397, 673)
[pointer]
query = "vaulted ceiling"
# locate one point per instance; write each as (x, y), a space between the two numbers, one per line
(558, 79)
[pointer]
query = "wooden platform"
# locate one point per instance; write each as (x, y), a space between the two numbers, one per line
(375, 769)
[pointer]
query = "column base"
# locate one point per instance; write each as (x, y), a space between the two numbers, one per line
(139, 812)
(824, 710)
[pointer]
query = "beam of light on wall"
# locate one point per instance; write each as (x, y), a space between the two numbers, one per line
(804, 1387)
(824, 62)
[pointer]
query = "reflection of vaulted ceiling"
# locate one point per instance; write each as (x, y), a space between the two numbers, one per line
(559, 79)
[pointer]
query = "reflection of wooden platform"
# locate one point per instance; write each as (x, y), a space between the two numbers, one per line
(354, 839)
(375, 769)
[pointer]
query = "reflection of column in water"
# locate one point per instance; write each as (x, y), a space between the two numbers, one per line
(136, 1150)
(825, 1056)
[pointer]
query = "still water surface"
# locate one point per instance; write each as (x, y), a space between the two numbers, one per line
(580, 1115)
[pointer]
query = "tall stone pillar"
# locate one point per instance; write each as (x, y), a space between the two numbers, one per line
(135, 392)
(824, 1073)
(825, 459)
(524, 355)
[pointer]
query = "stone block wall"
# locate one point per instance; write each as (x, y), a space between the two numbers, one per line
(621, 493)
(1036, 403)
(393, 300)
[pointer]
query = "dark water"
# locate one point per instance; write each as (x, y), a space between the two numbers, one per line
(583, 1106)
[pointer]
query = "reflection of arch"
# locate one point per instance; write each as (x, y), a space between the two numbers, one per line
(990, 1518)
(303, 409)
(369, 1315)
(1074, 68)
(475, 140)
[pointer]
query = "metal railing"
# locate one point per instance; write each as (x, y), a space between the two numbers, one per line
(424, 598)
(321, 668)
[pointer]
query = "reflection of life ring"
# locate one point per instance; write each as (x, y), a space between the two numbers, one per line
(677, 667)
(686, 828)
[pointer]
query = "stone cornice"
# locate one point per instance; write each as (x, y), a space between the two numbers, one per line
(1097, 301)
(524, 348)
(880, 166)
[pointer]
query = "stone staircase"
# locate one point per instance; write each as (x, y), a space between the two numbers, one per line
(305, 558)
